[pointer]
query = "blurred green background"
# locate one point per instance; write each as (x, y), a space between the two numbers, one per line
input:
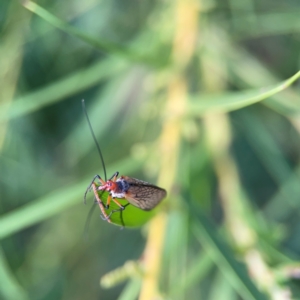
(183, 94)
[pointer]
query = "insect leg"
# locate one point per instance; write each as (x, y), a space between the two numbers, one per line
(113, 199)
(100, 203)
(108, 201)
(90, 185)
(121, 214)
(107, 218)
(114, 177)
(120, 210)
(118, 203)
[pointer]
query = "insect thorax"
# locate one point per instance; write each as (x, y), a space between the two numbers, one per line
(122, 188)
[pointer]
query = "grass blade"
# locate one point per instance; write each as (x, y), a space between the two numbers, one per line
(61, 89)
(9, 287)
(100, 44)
(237, 100)
(224, 259)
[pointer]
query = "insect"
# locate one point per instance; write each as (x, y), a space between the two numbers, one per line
(139, 193)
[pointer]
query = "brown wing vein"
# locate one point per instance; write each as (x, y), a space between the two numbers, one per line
(143, 194)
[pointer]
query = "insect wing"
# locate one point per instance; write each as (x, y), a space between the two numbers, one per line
(142, 194)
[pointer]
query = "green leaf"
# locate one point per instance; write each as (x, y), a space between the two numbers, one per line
(273, 159)
(10, 289)
(223, 257)
(197, 271)
(131, 216)
(248, 70)
(233, 101)
(40, 209)
(131, 291)
(100, 43)
(224, 290)
(266, 24)
(61, 89)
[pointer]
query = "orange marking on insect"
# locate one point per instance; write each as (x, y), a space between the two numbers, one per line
(118, 203)
(108, 201)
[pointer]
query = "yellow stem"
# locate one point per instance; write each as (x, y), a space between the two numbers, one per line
(184, 43)
(11, 55)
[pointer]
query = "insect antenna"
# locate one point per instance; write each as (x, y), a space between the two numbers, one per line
(95, 140)
(88, 221)
(89, 216)
(121, 216)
